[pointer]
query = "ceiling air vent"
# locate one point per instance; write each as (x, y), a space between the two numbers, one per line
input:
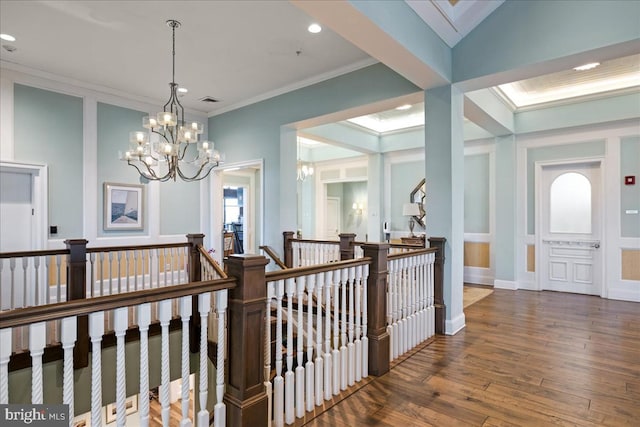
(209, 99)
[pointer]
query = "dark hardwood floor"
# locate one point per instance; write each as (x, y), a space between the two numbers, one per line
(524, 359)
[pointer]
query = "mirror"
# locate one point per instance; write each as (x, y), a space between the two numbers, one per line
(417, 196)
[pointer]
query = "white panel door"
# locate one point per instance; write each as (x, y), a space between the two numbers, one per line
(332, 216)
(571, 224)
(16, 204)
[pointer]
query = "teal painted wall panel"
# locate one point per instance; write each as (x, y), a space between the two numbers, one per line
(114, 125)
(556, 152)
(476, 194)
(48, 130)
(352, 222)
(253, 132)
(622, 107)
(404, 178)
(630, 194)
(521, 33)
(402, 23)
(179, 207)
(505, 210)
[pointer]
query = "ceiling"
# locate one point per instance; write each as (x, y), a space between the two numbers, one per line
(237, 52)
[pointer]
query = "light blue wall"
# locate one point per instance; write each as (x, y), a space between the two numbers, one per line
(114, 125)
(556, 152)
(589, 112)
(254, 131)
(403, 179)
(521, 33)
(630, 194)
(476, 194)
(48, 130)
(354, 192)
(505, 209)
(179, 207)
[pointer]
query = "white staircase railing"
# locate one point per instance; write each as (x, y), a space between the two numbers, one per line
(119, 307)
(327, 311)
(307, 253)
(410, 309)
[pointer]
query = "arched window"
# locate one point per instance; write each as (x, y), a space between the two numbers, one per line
(570, 204)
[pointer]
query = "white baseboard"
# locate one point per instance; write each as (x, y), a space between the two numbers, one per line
(505, 284)
(479, 276)
(529, 285)
(453, 326)
(624, 295)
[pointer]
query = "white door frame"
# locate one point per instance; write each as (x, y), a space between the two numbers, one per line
(600, 161)
(216, 194)
(39, 186)
(326, 216)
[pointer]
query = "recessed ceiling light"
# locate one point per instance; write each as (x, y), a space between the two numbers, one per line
(314, 28)
(588, 66)
(183, 90)
(7, 37)
(403, 107)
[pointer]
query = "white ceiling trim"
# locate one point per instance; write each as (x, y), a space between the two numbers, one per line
(453, 23)
(298, 85)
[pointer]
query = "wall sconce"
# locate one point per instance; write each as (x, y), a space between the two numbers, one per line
(358, 208)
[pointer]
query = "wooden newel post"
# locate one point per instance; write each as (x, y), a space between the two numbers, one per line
(288, 248)
(438, 285)
(195, 275)
(77, 289)
(377, 308)
(346, 247)
(245, 394)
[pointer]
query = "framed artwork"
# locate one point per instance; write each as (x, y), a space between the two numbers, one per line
(123, 206)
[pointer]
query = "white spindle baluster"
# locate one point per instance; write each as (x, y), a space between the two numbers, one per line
(46, 281)
(185, 314)
(267, 351)
(204, 306)
(164, 315)
(365, 314)
(350, 345)
(12, 269)
(328, 367)
(335, 353)
(220, 408)
(344, 360)
(309, 367)
(358, 331)
(68, 336)
(164, 266)
(110, 268)
(411, 330)
(5, 355)
(144, 319)
(100, 272)
(26, 292)
(96, 331)
(135, 268)
(92, 274)
(119, 271)
(392, 310)
(301, 281)
(432, 320)
(319, 362)
(37, 341)
(289, 379)
(36, 268)
(120, 324)
(278, 381)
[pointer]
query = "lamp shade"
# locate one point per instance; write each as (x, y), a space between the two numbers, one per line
(410, 209)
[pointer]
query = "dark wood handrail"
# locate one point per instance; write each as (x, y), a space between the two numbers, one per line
(43, 313)
(214, 264)
(23, 254)
(269, 251)
(137, 247)
(419, 251)
(312, 269)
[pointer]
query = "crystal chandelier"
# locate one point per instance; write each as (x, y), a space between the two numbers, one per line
(304, 169)
(165, 158)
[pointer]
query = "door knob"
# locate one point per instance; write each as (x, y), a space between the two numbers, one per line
(596, 245)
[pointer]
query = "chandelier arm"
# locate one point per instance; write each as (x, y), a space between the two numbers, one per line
(196, 177)
(143, 173)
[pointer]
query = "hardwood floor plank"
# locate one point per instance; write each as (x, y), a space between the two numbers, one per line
(524, 359)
